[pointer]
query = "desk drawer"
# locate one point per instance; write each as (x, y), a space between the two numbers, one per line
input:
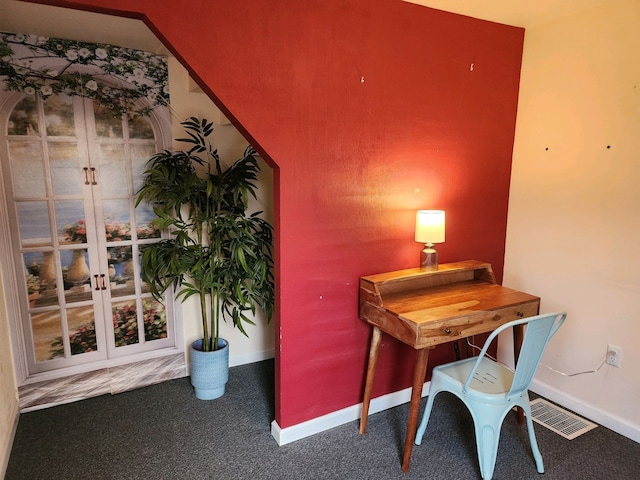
(472, 323)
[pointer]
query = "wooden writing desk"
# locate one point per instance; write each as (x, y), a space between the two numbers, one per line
(426, 308)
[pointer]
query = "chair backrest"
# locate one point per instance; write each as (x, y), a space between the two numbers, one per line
(539, 331)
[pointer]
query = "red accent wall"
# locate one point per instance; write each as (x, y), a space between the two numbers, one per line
(368, 110)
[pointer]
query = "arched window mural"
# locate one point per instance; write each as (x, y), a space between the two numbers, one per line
(78, 122)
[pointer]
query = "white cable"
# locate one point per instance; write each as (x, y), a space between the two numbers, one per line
(577, 373)
(546, 366)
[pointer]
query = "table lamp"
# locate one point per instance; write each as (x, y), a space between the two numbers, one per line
(429, 230)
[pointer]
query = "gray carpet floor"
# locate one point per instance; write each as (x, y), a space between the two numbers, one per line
(164, 432)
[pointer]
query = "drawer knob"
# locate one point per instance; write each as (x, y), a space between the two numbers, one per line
(447, 331)
(520, 314)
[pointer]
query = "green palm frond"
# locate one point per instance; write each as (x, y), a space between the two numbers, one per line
(216, 248)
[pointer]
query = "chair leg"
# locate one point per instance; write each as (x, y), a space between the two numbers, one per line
(532, 435)
(425, 416)
(487, 438)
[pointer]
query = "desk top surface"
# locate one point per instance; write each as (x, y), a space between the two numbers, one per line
(453, 300)
(459, 299)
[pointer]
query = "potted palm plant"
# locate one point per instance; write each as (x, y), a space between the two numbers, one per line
(217, 251)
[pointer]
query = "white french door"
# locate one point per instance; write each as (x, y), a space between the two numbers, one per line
(71, 170)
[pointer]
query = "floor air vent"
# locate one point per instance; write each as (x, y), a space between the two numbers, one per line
(558, 420)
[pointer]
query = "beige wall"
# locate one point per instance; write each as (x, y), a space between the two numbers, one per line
(8, 392)
(573, 231)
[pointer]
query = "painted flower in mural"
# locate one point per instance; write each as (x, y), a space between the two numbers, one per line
(125, 325)
(115, 77)
(155, 320)
(148, 230)
(117, 231)
(75, 232)
(80, 341)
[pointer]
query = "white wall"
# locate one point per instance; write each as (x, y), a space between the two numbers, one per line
(573, 231)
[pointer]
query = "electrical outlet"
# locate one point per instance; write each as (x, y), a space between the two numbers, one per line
(614, 356)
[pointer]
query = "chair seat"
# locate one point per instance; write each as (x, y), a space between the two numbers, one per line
(491, 380)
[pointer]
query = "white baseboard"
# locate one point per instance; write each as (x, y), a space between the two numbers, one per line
(340, 417)
(601, 417)
(349, 414)
(242, 359)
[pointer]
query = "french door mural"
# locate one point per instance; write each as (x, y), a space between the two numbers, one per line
(79, 122)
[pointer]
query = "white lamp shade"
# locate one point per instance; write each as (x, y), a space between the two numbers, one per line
(430, 226)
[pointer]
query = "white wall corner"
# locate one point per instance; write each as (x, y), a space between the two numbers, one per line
(340, 417)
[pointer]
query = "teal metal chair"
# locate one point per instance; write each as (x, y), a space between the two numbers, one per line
(490, 390)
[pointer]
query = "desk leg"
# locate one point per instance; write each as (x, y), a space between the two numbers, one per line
(419, 372)
(374, 349)
(518, 337)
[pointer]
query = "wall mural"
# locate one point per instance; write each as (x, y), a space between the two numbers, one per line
(70, 234)
(115, 77)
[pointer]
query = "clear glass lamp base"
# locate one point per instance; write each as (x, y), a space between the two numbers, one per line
(429, 258)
